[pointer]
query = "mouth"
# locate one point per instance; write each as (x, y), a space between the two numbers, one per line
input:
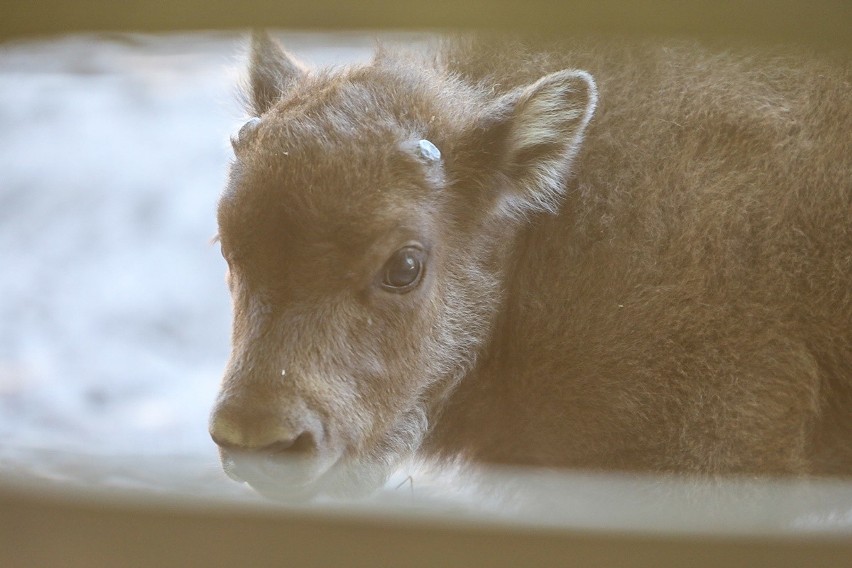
(275, 476)
(296, 478)
(335, 469)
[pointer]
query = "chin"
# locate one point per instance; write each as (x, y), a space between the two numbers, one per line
(289, 478)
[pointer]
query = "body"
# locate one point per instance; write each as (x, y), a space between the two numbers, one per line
(688, 308)
(629, 257)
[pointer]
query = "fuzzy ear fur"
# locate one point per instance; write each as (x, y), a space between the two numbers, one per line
(271, 73)
(541, 128)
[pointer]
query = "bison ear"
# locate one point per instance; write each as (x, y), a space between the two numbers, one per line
(536, 132)
(271, 72)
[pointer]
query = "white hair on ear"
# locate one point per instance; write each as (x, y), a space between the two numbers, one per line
(548, 111)
(554, 111)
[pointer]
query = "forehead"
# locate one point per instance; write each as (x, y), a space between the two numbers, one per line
(326, 177)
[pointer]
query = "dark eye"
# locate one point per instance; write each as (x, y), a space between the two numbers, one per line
(403, 270)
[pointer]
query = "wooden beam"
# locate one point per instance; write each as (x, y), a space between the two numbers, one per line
(813, 22)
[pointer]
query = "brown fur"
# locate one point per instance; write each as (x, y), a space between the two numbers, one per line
(665, 289)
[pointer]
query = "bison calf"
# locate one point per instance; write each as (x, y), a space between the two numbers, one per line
(600, 256)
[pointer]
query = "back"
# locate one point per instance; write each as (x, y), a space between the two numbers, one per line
(691, 301)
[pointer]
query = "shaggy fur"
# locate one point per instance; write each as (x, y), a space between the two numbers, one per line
(637, 257)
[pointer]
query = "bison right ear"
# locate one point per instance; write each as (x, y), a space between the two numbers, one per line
(271, 73)
(526, 141)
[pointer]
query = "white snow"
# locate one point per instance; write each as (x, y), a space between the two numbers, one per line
(114, 316)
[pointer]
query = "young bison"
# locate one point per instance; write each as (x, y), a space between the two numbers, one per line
(486, 252)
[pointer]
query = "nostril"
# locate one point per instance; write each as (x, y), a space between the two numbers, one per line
(223, 442)
(226, 432)
(302, 444)
(266, 434)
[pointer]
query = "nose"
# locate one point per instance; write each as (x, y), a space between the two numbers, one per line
(236, 428)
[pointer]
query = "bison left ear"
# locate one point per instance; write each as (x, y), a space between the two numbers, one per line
(540, 129)
(272, 73)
